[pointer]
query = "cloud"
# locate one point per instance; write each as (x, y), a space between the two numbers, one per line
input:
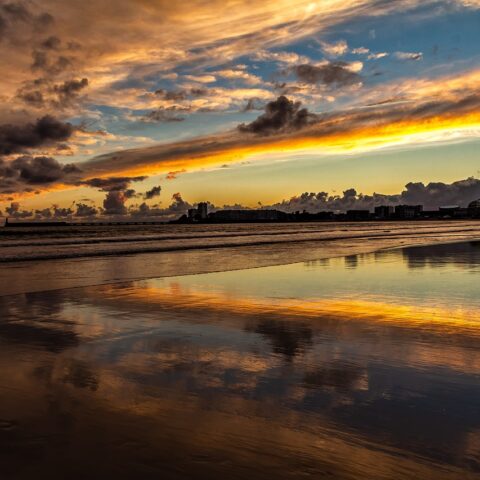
(335, 49)
(153, 192)
(352, 130)
(177, 207)
(59, 212)
(84, 210)
(14, 211)
(360, 51)
(436, 194)
(408, 55)
(337, 74)
(112, 184)
(280, 115)
(431, 195)
(43, 132)
(174, 174)
(246, 77)
(70, 88)
(253, 104)
(174, 95)
(201, 78)
(26, 171)
(51, 43)
(377, 56)
(41, 170)
(166, 114)
(118, 192)
(114, 203)
(43, 214)
(288, 58)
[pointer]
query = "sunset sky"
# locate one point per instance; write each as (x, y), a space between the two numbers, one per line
(144, 107)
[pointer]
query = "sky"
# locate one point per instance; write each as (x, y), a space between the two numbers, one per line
(146, 107)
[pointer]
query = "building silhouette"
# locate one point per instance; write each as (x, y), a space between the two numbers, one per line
(248, 216)
(408, 211)
(202, 210)
(474, 209)
(358, 214)
(384, 211)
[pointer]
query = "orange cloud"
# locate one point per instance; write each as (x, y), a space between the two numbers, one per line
(351, 131)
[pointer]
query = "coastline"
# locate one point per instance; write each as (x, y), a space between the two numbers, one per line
(23, 277)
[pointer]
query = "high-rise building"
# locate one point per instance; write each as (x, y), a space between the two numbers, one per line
(202, 210)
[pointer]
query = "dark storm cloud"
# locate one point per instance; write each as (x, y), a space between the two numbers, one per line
(112, 184)
(41, 170)
(334, 73)
(43, 132)
(152, 193)
(280, 115)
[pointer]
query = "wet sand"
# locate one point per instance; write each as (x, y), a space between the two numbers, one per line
(358, 367)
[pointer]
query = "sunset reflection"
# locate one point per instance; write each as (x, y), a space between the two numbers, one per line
(201, 374)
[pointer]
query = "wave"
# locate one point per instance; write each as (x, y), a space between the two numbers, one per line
(131, 246)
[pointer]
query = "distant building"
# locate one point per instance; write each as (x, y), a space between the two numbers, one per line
(202, 210)
(449, 211)
(474, 209)
(384, 211)
(408, 211)
(358, 214)
(29, 224)
(199, 213)
(248, 216)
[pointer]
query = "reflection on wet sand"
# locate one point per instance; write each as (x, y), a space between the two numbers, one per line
(348, 368)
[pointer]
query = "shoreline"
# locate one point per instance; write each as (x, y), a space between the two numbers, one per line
(30, 276)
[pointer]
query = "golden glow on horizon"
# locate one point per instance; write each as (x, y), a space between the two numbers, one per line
(355, 141)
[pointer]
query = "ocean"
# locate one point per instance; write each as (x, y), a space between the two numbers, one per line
(36, 259)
